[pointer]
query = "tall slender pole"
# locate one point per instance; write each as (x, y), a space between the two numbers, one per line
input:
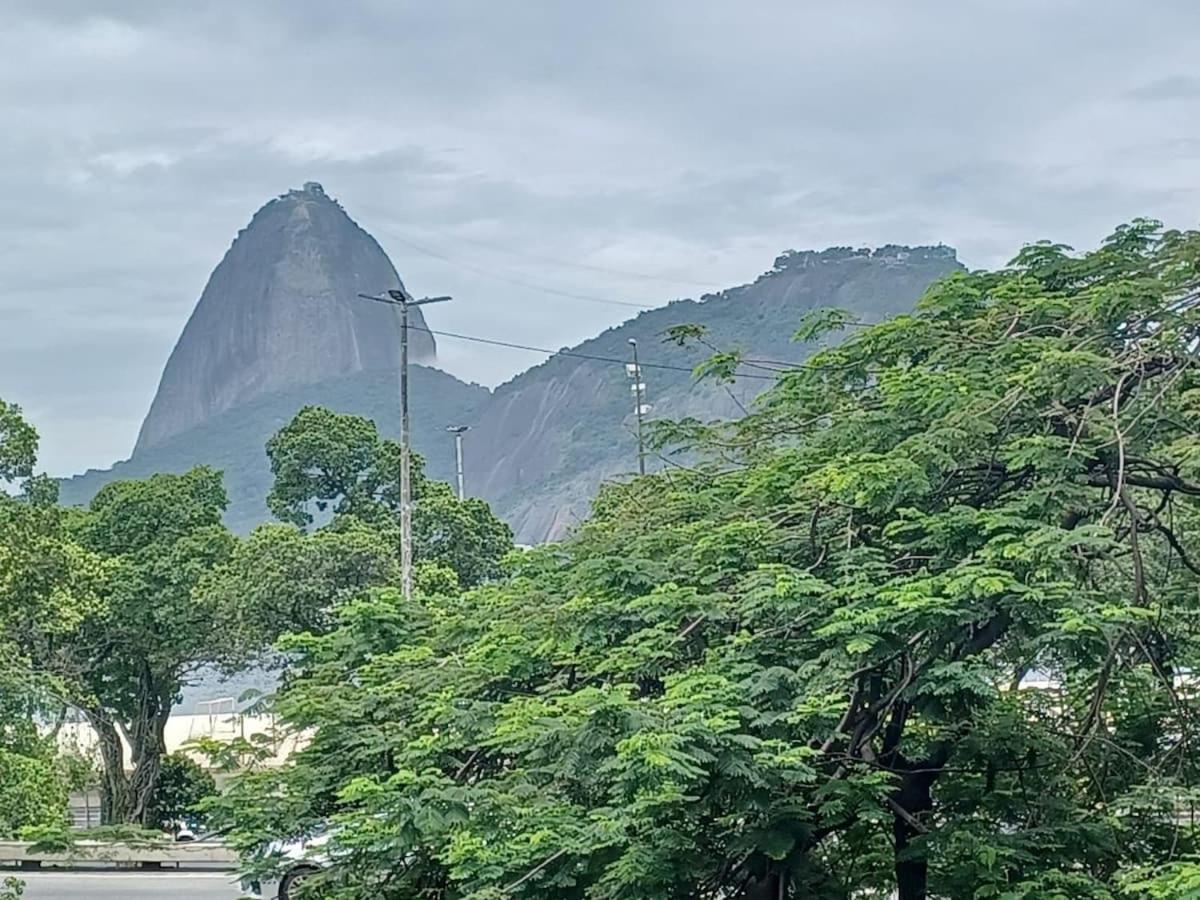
(639, 390)
(462, 488)
(458, 431)
(403, 299)
(405, 475)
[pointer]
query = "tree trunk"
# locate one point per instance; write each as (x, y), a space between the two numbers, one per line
(114, 785)
(775, 885)
(914, 797)
(147, 742)
(144, 779)
(912, 874)
(126, 798)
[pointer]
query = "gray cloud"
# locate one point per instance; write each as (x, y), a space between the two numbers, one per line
(487, 144)
(1173, 87)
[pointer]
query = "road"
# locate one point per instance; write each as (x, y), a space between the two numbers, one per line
(107, 885)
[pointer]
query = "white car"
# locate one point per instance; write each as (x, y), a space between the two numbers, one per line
(304, 859)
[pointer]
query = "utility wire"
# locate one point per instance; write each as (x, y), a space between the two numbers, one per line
(588, 267)
(765, 364)
(571, 353)
(549, 260)
(518, 282)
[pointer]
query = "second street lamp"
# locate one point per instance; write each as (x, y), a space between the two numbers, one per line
(458, 431)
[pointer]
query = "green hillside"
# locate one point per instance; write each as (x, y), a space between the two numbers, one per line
(556, 431)
(543, 442)
(234, 441)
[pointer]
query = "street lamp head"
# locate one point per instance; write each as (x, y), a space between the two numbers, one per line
(633, 342)
(458, 429)
(398, 294)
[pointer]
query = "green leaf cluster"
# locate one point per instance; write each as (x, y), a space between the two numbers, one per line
(30, 794)
(923, 623)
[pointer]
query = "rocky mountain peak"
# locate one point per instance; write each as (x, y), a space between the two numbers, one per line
(281, 310)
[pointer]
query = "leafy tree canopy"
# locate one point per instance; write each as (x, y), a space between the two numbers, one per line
(49, 583)
(18, 443)
(336, 465)
(125, 663)
(923, 622)
(281, 579)
(181, 785)
(31, 795)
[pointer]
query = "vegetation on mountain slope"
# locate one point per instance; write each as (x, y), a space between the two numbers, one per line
(554, 433)
(542, 443)
(234, 442)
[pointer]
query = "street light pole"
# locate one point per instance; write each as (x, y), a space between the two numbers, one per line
(458, 431)
(404, 300)
(639, 409)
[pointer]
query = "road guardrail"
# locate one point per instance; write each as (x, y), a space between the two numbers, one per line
(82, 853)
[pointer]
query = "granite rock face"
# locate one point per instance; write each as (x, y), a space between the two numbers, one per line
(279, 325)
(548, 438)
(280, 310)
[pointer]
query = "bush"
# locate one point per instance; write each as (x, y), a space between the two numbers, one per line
(62, 838)
(181, 785)
(30, 793)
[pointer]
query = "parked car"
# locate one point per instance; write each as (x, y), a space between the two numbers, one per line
(303, 859)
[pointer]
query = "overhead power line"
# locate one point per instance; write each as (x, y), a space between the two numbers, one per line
(588, 267)
(573, 354)
(493, 342)
(518, 282)
(546, 259)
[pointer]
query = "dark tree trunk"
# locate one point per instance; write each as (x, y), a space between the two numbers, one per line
(147, 742)
(775, 885)
(914, 797)
(114, 785)
(126, 797)
(912, 872)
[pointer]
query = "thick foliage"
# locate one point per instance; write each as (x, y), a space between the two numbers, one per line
(48, 585)
(330, 464)
(48, 580)
(281, 579)
(30, 794)
(924, 623)
(125, 663)
(18, 443)
(181, 785)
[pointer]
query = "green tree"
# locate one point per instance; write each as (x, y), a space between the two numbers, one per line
(18, 444)
(802, 666)
(180, 788)
(100, 610)
(281, 579)
(337, 466)
(47, 580)
(30, 794)
(48, 583)
(130, 655)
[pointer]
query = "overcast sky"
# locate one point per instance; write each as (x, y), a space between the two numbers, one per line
(488, 143)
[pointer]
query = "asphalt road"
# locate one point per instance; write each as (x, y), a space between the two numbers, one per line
(104, 885)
